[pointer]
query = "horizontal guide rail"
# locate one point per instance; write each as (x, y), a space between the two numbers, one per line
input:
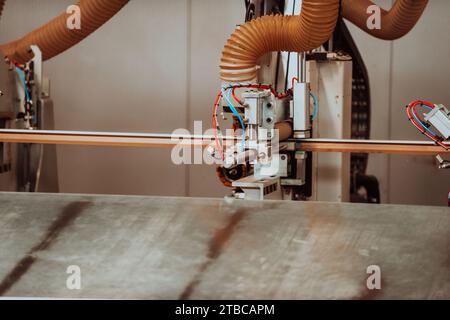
(152, 140)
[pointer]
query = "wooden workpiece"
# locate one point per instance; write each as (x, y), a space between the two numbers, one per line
(164, 141)
(357, 147)
(94, 140)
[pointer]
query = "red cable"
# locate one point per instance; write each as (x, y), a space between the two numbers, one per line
(253, 86)
(414, 105)
(17, 65)
(417, 125)
(216, 138)
(216, 105)
(233, 93)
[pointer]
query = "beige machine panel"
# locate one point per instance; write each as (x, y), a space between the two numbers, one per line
(332, 82)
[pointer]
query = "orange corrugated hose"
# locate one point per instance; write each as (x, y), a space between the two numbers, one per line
(308, 31)
(247, 44)
(277, 33)
(54, 37)
(395, 23)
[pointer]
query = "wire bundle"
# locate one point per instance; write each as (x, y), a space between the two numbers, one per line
(21, 73)
(420, 124)
(231, 89)
(216, 126)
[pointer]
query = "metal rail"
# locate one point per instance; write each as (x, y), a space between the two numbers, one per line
(152, 140)
(373, 146)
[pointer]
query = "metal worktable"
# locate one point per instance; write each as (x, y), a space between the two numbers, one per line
(170, 248)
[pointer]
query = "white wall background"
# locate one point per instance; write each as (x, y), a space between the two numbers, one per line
(154, 68)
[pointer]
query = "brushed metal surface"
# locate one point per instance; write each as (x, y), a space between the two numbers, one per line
(171, 248)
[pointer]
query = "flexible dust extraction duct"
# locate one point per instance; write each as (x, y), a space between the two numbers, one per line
(277, 33)
(308, 31)
(394, 23)
(55, 37)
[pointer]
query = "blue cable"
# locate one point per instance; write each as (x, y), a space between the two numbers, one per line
(420, 122)
(236, 113)
(425, 106)
(316, 107)
(24, 83)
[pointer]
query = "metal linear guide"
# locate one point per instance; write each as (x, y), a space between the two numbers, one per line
(144, 140)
